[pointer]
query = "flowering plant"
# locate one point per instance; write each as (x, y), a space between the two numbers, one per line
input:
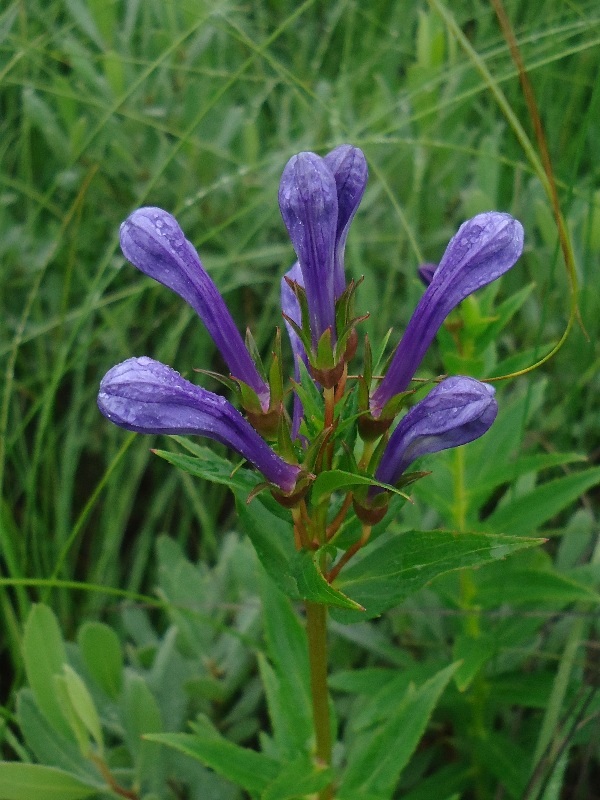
(334, 447)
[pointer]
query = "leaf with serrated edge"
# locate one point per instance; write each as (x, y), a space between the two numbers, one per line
(332, 480)
(295, 572)
(397, 565)
(251, 770)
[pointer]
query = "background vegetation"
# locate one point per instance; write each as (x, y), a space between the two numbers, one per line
(196, 107)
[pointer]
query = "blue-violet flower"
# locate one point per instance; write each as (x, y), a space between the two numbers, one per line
(309, 207)
(153, 241)
(145, 396)
(349, 167)
(484, 248)
(456, 411)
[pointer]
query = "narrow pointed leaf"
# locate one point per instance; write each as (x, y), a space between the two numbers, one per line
(376, 766)
(38, 782)
(528, 513)
(397, 565)
(300, 778)
(44, 655)
(246, 768)
(296, 573)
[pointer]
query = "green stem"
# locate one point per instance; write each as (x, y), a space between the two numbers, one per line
(316, 628)
(467, 584)
(471, 627)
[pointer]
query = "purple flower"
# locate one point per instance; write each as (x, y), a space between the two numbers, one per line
(153, 241)
(145, 396)
(484, 248)
(309, 206)
(456, 411)
(350, 171)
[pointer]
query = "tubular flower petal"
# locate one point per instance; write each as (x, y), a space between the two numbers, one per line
(309, 207)
(153, 241)
(349, 168)
(456, 411)
(291, 308)
(145, 396)
(484, 248)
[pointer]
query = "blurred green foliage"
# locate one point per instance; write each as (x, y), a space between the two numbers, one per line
(196, 106)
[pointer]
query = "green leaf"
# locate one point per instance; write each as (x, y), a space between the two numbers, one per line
(312, 401)
(472, 653)
(289, 693)
(518, 586)
(141, 716)
(504, 438)
(508, 471)
(101, 651)
(507, 761)
(313, 586)
(251, 770)
(374, 709)
(297, 780)
(48, 745)
(527, 513)
(369, 680)
(38, 782)
(397, 565)
(503, 313)
(82, 704)
(296, 573)
(83, 18)
(378, 757)
(76, 724)
(455, 777)
(332, 480)
(458, 364)
(290, 721)
(41, 115)
(205, 463)
(186, 587)
(273, 540)
(44, 655)
(529, 690)
(267, 524)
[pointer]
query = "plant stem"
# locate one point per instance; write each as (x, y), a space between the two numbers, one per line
(316, 628)
(351, 551)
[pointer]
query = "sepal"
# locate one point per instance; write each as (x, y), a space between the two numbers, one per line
(291, 499)
(252, 348)
(276, 375)
(370, 512)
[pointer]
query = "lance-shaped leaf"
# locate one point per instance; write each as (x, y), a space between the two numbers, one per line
(153, 241)
(456, 411)
(484, 248)
(349, 168)
(309, 207)
(146, 396)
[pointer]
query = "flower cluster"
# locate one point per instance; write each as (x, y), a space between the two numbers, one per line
(318, 198)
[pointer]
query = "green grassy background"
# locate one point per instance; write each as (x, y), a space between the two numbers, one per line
(196, 107)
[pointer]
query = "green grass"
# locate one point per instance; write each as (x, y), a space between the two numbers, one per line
(196, 107)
